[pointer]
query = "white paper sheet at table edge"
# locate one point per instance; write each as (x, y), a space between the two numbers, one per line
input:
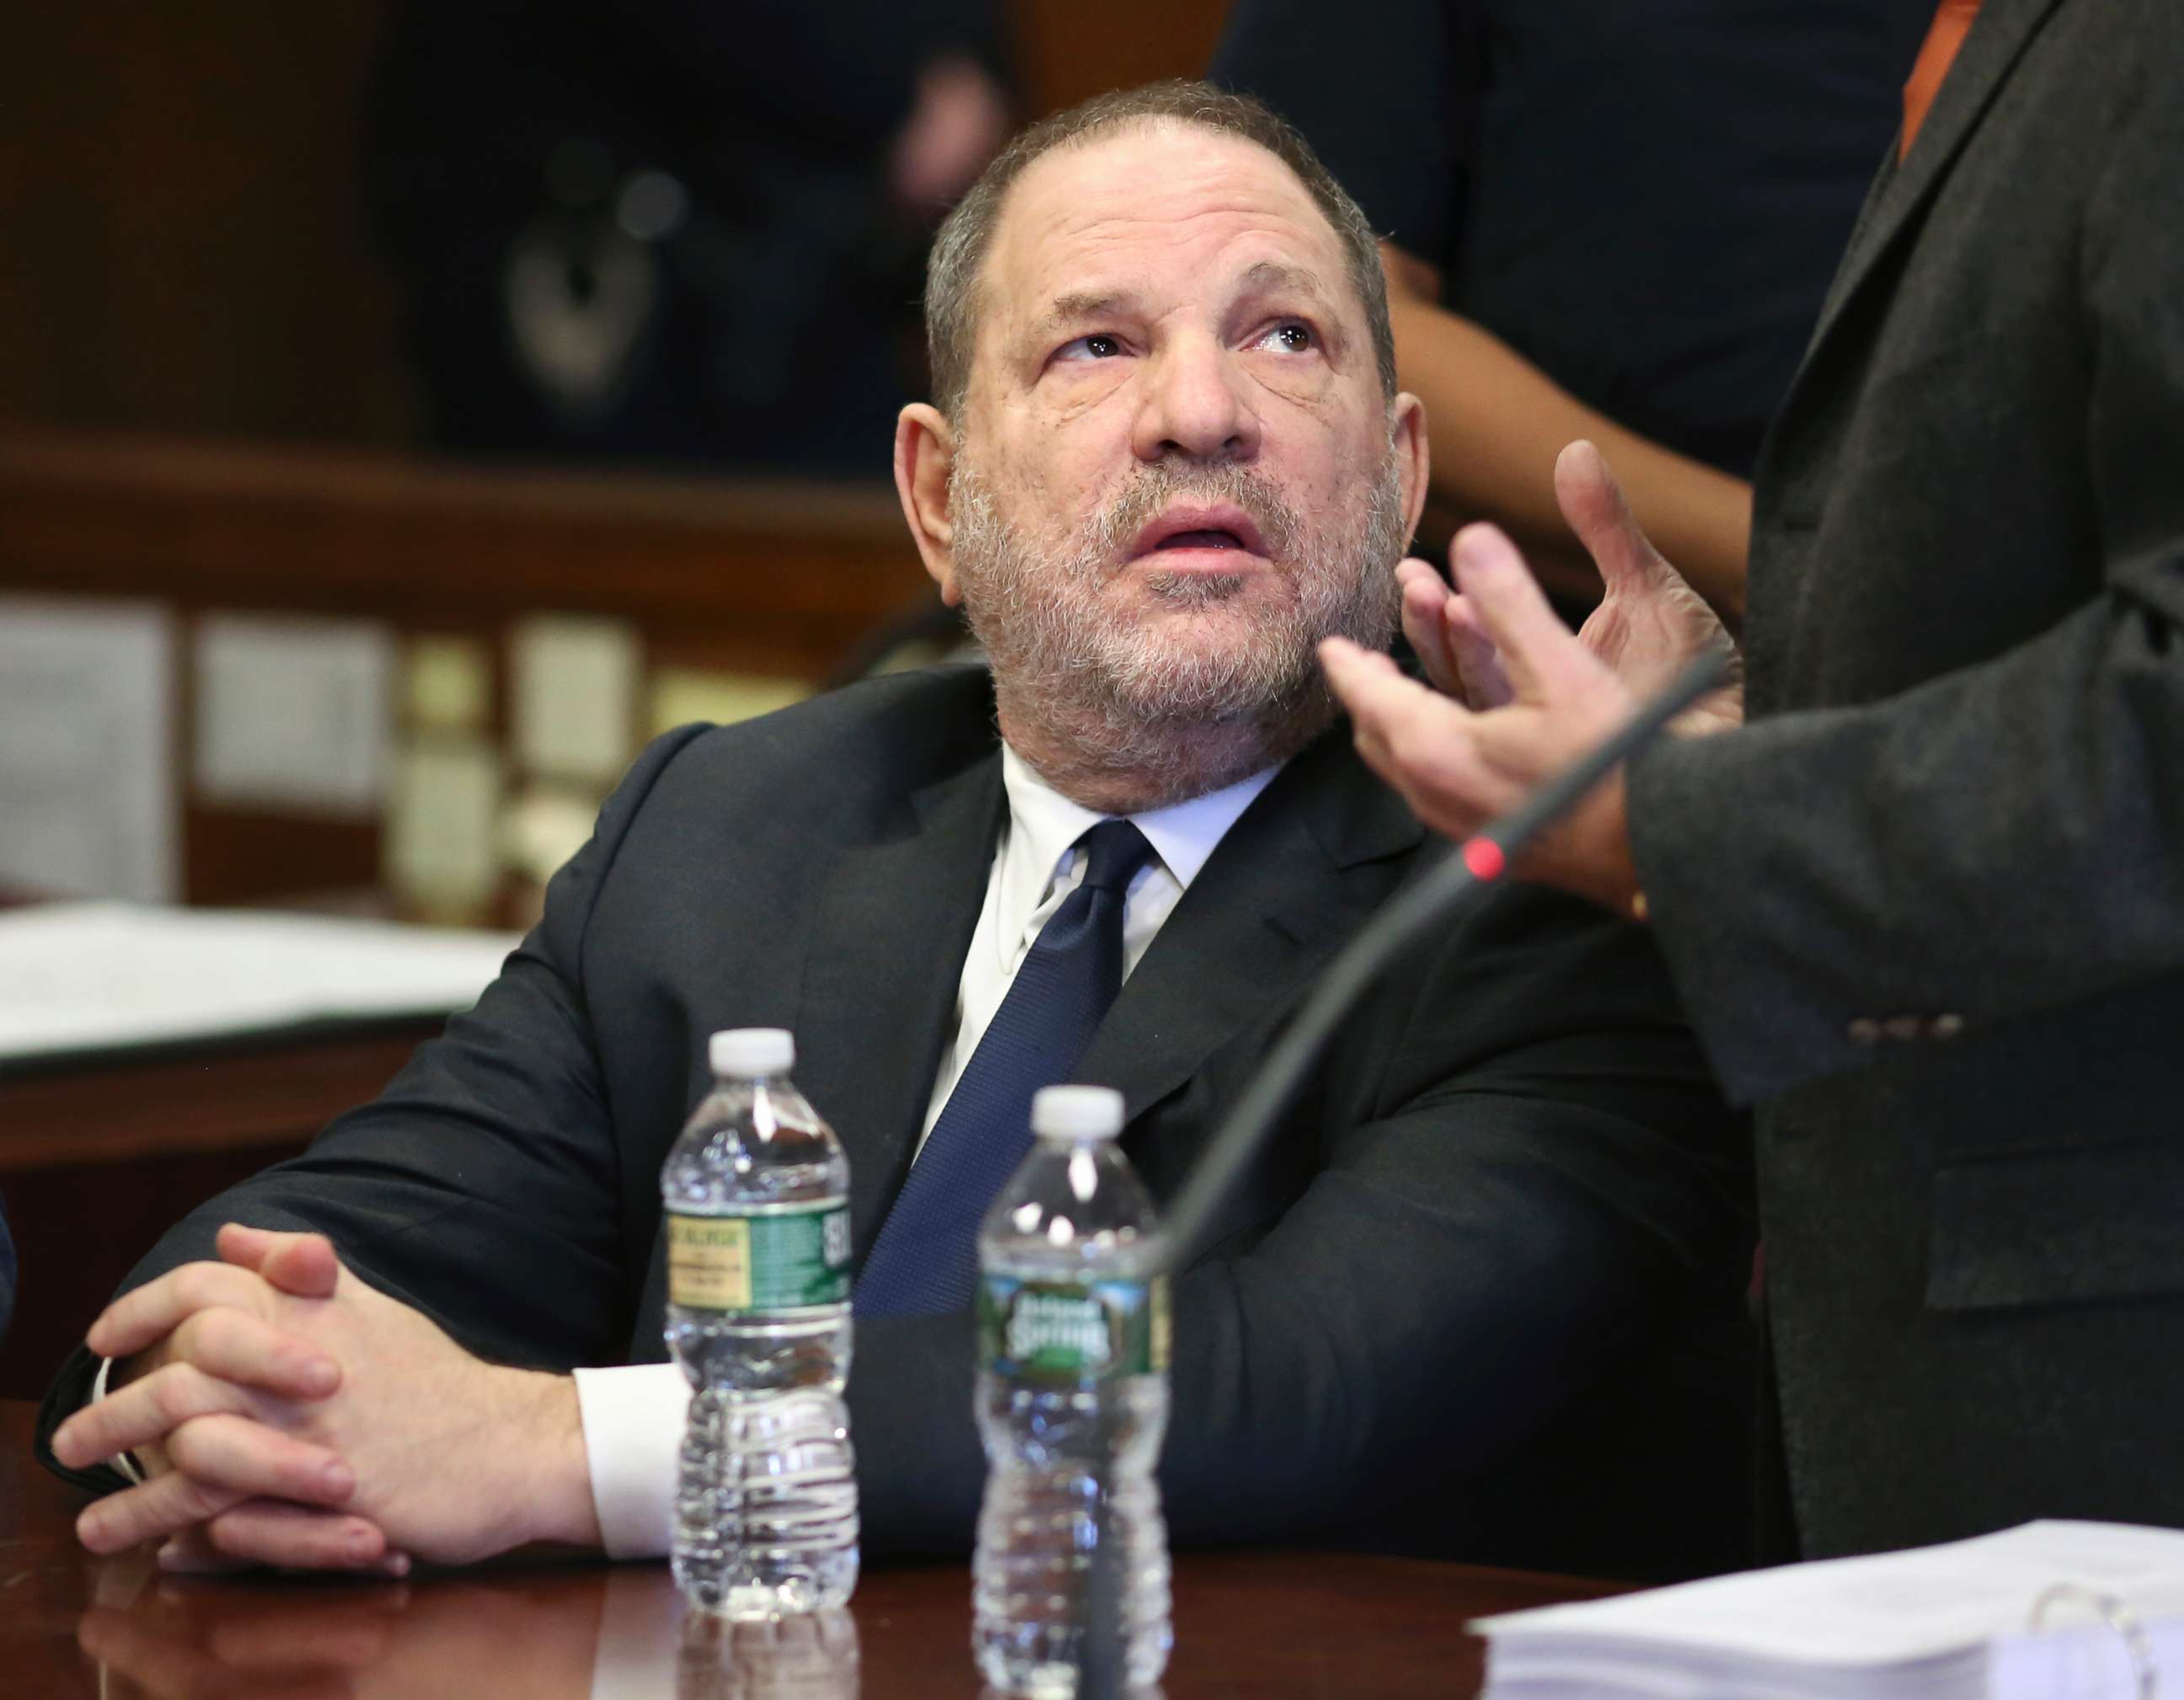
(1887, 1608)
(188, 974)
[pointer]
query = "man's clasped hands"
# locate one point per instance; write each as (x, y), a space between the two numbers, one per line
(284, 1412)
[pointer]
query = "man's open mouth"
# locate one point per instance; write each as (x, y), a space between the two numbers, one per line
(1220, 528)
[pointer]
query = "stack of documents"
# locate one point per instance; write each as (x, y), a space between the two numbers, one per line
(2050, 1611)
(79, 977)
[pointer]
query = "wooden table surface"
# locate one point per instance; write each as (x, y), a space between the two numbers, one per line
(1249, 1626)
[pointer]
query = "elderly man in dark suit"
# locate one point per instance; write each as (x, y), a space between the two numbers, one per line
(1168, 457)
(1927, 906)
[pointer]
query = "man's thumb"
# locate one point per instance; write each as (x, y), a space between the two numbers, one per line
(1594, 504)
(303, 1266)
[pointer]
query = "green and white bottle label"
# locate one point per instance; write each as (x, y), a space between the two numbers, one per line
(1067, 1334)
(785, 1256)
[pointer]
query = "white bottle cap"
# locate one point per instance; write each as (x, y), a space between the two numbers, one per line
(1076, 1113)
(744, 1053)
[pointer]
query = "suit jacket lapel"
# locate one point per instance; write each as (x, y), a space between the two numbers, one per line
(1998, 37)
(1300, 870)
(889, 933)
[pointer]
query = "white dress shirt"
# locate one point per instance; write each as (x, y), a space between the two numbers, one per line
(634, 1415)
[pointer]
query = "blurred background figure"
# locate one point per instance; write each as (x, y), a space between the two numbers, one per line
(1603, 220)
(679, 230)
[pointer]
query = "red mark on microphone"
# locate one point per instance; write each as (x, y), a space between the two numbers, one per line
(1484, 857)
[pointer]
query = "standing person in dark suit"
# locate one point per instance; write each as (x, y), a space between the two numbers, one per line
(1927, 907)
(1167, 456)
(1601, 221)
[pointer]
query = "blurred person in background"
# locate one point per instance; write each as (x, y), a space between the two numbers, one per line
(673, 230)
(1602, 220)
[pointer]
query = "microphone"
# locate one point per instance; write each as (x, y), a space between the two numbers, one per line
(1466, 874)
(1464, 877)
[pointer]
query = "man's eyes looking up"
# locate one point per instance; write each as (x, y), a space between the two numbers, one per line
(1292, 337)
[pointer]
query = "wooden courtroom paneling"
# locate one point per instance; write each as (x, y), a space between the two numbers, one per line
(187, 247)
(760, 574)
(773, 579)
(1069, 51)
(99, 1159)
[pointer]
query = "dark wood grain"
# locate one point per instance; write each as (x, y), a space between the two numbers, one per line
(100, 1157)
(1249, 1626)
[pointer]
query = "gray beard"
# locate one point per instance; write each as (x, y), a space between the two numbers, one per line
(1131, 713)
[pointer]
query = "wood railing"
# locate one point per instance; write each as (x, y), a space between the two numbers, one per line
(779, 580)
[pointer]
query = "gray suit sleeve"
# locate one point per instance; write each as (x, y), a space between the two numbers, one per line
(1999, 840)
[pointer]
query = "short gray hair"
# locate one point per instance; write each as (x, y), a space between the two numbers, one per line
(959, 251)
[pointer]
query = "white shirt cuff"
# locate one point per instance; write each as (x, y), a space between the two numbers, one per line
(121, 1460)
(633, 1420)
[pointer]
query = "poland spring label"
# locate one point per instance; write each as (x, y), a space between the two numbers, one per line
(783, 1256)
(1069, 1333)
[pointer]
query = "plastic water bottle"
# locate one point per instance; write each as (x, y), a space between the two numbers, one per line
(755, 1193)
(1072, 1404)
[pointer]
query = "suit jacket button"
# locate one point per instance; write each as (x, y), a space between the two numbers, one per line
(1863, 1029)
(1946, 1026)
(1903, 1026)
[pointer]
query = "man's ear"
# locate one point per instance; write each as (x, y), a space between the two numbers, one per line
(1408, 435)
(924, 455)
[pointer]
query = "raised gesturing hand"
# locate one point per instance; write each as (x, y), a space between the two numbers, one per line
(1649, 626)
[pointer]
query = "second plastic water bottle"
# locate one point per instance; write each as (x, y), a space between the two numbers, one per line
(755, 1194)
(1072, 1404)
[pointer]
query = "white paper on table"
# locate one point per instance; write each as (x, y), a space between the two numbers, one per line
(1891, 1610)
(92, 976)
(86, 759)
(293, 713)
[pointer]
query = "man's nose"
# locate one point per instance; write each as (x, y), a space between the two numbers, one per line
(1195, 404)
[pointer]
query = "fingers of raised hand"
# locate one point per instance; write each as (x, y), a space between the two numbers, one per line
(1538, 653)
(1364, 679)
(1421, 744)
(1592, 501)
(1477, 662)
(1423, 597)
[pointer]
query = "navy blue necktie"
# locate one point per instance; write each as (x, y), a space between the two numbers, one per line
(926, 1259)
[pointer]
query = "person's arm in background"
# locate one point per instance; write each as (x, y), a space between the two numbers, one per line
(838, 75)
(1401, 147)
(1498, 424)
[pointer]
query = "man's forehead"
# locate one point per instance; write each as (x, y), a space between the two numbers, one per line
(1087, 220)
